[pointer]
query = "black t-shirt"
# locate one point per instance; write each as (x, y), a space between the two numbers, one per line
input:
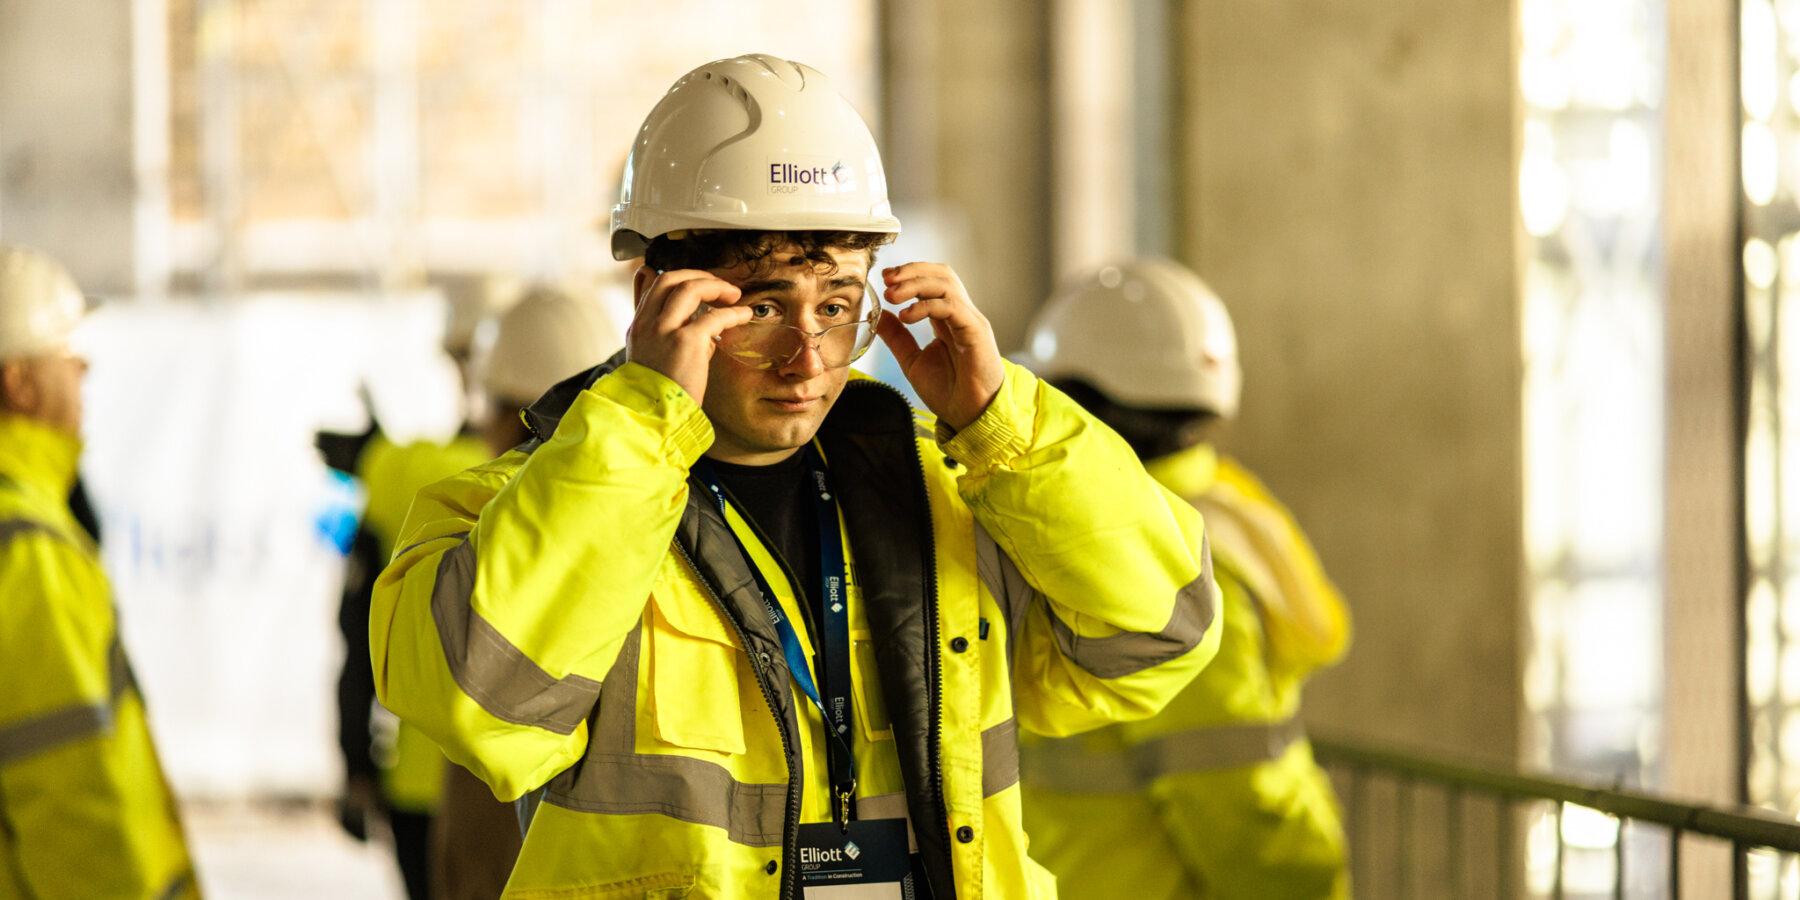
(776, 501)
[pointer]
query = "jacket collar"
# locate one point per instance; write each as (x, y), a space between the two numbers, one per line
(38, 457)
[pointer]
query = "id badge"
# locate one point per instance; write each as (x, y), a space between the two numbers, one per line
(869, 862)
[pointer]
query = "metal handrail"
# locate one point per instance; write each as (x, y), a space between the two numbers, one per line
(1743, 825)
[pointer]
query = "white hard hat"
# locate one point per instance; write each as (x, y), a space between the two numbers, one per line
(39, 303)
(755, 143)
(552, 333)
(471, 299)
(1147, 333)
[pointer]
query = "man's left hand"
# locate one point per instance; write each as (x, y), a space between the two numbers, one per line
(958, 373)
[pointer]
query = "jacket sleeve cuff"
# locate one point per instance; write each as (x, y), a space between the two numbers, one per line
(1003, 431)
(656, 400)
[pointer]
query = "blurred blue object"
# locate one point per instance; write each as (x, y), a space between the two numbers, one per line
(340, 509)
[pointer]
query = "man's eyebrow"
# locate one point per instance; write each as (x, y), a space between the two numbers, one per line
(765, 286)
(779, 285)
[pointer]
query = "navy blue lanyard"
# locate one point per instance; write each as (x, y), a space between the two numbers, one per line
(833, 701)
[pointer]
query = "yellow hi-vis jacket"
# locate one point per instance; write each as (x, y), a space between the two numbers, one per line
(84, 809)
(412, 770)
(577, 614)
(1217, 796)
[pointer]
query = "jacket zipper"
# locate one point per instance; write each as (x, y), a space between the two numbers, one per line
(935, 736)
(790, 827)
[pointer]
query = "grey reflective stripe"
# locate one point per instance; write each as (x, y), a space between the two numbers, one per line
(1066, 766)
(1127, 653)
(489, 668)
(74, 721)
(119, 674)
(1224, 747)
(176, 886)
(11, 528)
(614, 779)
(53, 729)
(999, 757)
(1005, 582)
(889, 806)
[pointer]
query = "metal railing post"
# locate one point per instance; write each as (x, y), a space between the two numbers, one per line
(1674, 864)
(1619, 860)
(1403, 823)
(1556, 884)
(1453, 813)
(1504, 851)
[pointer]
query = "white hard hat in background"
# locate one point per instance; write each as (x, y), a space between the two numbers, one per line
(1147, 333)
(755, 143)
(552, 333)
(471, 299)
(39, 303)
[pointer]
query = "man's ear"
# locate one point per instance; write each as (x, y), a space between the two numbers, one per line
(640, 282)
(18, 390)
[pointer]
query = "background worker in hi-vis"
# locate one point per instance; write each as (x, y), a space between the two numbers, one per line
(84, 808)
(1218, 796)
(743, 624)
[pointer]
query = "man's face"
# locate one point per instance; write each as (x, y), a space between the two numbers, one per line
(761, 416)
(47, 388)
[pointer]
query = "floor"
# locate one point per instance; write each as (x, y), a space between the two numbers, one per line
(273, 850)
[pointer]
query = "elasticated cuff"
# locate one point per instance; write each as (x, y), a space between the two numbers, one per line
(657, 399)
(1003, 431)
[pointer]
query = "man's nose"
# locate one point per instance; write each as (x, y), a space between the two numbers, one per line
(807, 363)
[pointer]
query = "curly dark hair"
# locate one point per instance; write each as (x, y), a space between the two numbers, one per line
(727, 248)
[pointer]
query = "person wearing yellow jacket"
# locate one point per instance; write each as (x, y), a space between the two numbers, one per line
(84, 808)
(395, 773)
(741, 625)
(400, 777)
(1218, 796)
(553, 332)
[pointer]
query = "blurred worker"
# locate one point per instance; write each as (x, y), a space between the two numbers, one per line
(1217, 796)
(746, 626)
(549, 335)
(84, 808)
(398, 773)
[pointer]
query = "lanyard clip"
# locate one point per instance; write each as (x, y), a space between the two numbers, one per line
(843, 810)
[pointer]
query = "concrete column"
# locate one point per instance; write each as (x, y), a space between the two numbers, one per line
(1703, 514)
(966, 118)
(66, 164)
(1349, 188)
(1350, 192)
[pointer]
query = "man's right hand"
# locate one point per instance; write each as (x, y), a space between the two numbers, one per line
(680, 315)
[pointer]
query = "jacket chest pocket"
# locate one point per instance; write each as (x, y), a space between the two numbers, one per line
(694, 671)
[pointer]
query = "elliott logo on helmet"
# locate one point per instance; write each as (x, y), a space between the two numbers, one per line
(794, 177)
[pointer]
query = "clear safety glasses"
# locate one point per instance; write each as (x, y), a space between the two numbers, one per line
(771, 345)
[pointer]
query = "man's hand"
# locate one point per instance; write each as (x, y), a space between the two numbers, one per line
(680, 315)
(959, 372)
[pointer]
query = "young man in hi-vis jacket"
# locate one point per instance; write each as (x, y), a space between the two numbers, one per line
(738, 623)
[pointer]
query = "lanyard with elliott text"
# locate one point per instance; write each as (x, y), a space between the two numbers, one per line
(833, 701)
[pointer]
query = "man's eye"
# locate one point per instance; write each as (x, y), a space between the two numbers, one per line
(833, 310)
(764, 310)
